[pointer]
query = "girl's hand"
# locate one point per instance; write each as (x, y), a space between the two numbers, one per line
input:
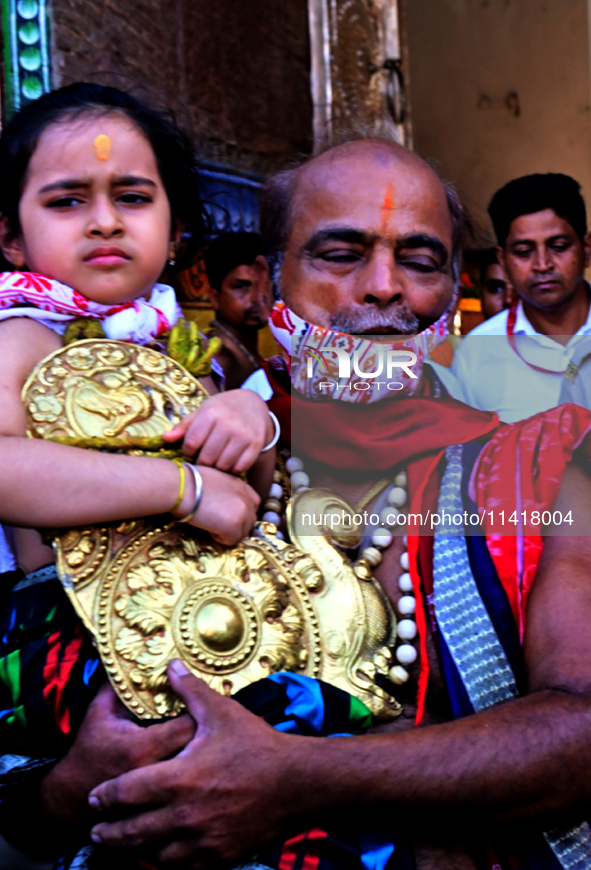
(229, 431)
(228, 508)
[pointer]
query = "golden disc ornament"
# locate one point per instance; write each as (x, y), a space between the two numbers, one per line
(108, 394)
(149, 590)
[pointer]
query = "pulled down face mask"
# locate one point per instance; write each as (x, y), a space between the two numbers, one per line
(325, 363)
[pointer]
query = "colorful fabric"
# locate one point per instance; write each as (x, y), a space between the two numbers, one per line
(49, 668)
(26, 294)
(461, 616)
(313, 353)
(472, 646)
(49, 673)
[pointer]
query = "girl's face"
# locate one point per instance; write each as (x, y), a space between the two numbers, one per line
(101, 226)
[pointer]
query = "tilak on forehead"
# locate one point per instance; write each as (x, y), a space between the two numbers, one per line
(102, 146)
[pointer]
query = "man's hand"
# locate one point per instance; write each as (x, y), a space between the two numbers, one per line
(228, 508)
(229, 430)
(107, 744)
(218, 799)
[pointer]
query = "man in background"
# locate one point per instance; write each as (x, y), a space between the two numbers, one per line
(241, 296)
(514, 363)
(495, 290)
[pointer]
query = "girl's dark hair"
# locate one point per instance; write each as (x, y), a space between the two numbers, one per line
(172, 147)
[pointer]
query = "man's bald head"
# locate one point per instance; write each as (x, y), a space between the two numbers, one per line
(288, 190)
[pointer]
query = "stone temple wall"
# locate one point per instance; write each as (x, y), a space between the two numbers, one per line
(238, 70)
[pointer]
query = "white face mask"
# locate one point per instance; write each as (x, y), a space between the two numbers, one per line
(328, 364)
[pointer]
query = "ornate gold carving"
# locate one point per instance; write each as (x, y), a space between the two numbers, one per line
(232, 615)
(148, 590)
(83, 551)
(359, 626)
(108, 390)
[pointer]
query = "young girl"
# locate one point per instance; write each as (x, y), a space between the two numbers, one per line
(97, 193)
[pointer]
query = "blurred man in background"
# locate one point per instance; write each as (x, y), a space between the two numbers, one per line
(495, 290)
(515, 362)
(241, 296)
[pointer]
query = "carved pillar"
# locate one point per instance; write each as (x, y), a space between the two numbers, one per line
(27, 72)
(358, 73)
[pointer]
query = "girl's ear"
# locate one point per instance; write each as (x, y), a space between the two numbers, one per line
(11, 245)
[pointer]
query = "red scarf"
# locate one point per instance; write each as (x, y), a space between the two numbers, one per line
(380, 434)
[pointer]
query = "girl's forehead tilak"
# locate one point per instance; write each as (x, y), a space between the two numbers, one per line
(102, 147)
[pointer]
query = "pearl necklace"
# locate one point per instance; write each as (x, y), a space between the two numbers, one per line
(371, 556)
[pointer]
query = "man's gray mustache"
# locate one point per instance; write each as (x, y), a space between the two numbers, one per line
(400, 321)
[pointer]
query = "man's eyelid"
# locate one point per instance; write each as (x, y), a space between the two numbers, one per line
(410, 255)
(338, 247)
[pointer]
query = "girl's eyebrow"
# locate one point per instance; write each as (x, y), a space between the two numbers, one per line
(77, 183)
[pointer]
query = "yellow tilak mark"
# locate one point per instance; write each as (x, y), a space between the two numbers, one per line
(102, 146)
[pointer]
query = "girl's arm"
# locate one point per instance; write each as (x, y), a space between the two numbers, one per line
(45, 484)
(50, 485)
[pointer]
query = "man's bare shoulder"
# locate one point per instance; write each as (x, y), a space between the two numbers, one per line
(557, 637)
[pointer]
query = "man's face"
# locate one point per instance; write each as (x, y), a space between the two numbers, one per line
(370, 245)
(245, 297)
(495, 291)
(544, 258)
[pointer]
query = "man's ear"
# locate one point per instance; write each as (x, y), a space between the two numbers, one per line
(587, 248)
(11, 245)
(501, 259)
(213, 298)
(262, 261)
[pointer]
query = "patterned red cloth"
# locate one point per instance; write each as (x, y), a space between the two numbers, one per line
(520, 469)
(26, 294)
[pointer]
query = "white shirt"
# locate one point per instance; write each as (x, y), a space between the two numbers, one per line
(258, 382)
(488, 374)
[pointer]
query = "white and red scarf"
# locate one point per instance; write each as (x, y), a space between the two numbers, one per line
(26, 294)
(304, 345)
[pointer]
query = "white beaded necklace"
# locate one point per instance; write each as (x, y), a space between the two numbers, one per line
(370, 557)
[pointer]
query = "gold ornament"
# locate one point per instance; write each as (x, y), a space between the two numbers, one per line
(358, 623)
(233, 615)
(150, 590)
(108, 395)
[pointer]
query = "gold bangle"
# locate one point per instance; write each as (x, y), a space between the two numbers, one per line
(182, 481)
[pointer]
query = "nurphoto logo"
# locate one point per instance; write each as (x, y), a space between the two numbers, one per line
(386, 361)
